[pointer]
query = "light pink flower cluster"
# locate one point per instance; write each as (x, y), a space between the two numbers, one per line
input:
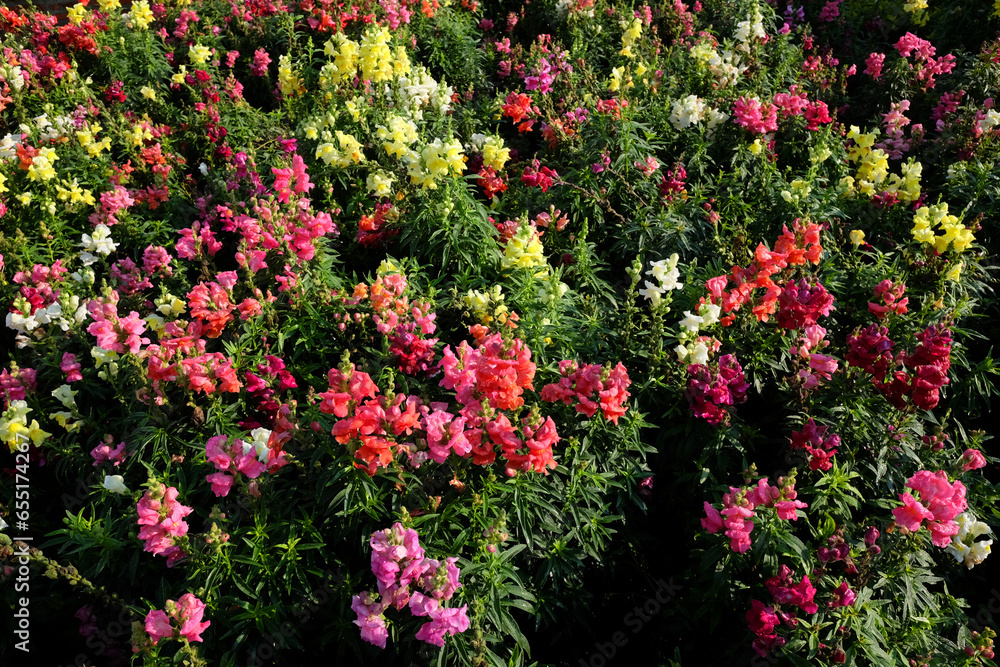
(973, 459)
(233, 458)
(796, 103)
(114, 333)
(130, 277)
(70, 367)
(112, 202)
(739, 506)
(187, 614)
(896, 143)
(819, 366)
(925, 67)
(291, 179)
(399, 564)
(161, 521)
(940, 502)
(609, 386)
(260, 62)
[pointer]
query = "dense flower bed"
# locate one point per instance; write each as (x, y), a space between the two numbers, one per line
(408, 331)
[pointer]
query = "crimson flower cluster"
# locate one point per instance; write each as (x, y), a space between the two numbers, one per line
(709, 388)
(800, 304)
(928, 366)
(820, 447)
(870, 349)
(764, 619)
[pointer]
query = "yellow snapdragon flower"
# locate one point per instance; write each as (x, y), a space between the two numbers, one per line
(288, 80)
(379, 184)
(953, 234)
(632, 31)
(375, 56)
(199, 54)
(141, 14)
(494, 153)
(398, 137)
(41, 168)
(524, 250)
(71, 192)
(77, 13)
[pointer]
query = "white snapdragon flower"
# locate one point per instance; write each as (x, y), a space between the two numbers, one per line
(963, 545)
(100, 242)
(259, 444)
(115, 484)
(709, 313)
(653, 294)
(687, 111)
(64, 394)
(699, 354)
(991, 121)
(692, 322)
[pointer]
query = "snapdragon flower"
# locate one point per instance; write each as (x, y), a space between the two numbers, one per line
(100, 243)
(964, 546)
(666, 273)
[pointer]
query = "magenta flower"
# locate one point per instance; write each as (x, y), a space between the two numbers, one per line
(189, 613)
(973, 459)
(158, 625)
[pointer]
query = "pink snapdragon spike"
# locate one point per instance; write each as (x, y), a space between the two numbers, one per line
(161, 521)
(580, 384)
(158, 625)
(190, 611)
(739, 507)
(940, 502)
(70, 367)
(400, 566)
(762, 621)
(755, 116)
(785, 591)
(186, 613)
(105, 452)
